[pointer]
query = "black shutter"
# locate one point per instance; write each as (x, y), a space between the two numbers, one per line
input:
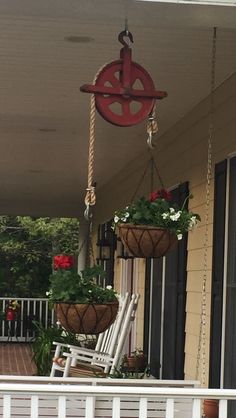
(155, 315)
(174, 307)
(217, 273)
(230, 325)
(175, 301)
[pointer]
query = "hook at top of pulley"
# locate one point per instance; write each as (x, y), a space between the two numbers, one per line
(125, 34)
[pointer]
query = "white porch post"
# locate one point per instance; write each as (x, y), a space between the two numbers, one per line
(83, 245)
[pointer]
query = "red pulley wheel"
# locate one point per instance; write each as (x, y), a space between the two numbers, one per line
(122, 110)
(124, 91)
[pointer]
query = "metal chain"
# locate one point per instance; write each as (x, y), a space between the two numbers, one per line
(140, 181)
(201, 354)
(157, 170)
(152, 164)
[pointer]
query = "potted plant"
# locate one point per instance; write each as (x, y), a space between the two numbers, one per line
(81, 305)
(42, 346)
(12, 310)
(152, 227)
(136, 362)
(211, 408)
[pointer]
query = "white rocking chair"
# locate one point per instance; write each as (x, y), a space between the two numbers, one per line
(107, 355)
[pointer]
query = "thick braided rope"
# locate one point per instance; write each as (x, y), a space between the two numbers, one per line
(90, 198)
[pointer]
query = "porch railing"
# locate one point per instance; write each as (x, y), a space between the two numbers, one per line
(22, 327)
(107, 400)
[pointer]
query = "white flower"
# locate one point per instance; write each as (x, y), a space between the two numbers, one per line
(49, 293)
(180, 236)
(126, 214)
(108, 287)
(193, 221)
(176, 216)
(90, 291)
(116, 219)
(172, 210)
(123, 219)
(165, 215)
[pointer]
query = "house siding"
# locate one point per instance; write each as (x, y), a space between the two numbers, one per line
(181, 155)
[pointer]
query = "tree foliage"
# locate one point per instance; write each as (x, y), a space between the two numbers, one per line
(27, 246)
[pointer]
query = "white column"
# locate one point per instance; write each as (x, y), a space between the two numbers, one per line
(83, 244)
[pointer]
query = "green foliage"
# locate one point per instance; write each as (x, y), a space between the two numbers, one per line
(69, 286)
(27, 246)
(43, 349)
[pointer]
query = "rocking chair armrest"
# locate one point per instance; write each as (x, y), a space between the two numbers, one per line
(102, 358)
(60, 344)
(92, 353)
(80, 349)
(59, 348)
(86, 351)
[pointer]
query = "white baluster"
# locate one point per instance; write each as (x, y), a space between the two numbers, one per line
(170, 408)
(116, 407)
(62, 407)
(7, 406)
(40, 312)
(143, 408)
(34, 406)
(90, 407)
(196, 408)
(223, 404)
(46, 314)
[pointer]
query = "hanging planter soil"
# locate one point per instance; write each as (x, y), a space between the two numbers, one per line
(145, 241)
(86, 318)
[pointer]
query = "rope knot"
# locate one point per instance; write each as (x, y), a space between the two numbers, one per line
(90, 198)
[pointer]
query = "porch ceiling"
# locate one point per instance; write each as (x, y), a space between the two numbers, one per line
(44, 117)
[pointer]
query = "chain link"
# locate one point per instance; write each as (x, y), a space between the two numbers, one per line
(201, 353)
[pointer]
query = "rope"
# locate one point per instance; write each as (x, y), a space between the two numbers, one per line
(90, 197)
(201, 354)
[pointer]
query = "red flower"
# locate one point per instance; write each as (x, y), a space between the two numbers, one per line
(153, 196)
(63, 262)
(160, 194)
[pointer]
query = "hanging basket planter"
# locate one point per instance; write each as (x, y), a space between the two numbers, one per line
(91, 318)
(145, 241)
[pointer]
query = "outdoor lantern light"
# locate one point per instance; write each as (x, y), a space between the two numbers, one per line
(103, 244)
(104, 250)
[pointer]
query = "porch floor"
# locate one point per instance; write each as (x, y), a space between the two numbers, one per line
(16, 359)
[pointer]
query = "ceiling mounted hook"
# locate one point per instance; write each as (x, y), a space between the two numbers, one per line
(125, 34)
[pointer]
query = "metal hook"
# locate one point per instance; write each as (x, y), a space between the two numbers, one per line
(149, 140)
(125, 34)
(87, 213)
